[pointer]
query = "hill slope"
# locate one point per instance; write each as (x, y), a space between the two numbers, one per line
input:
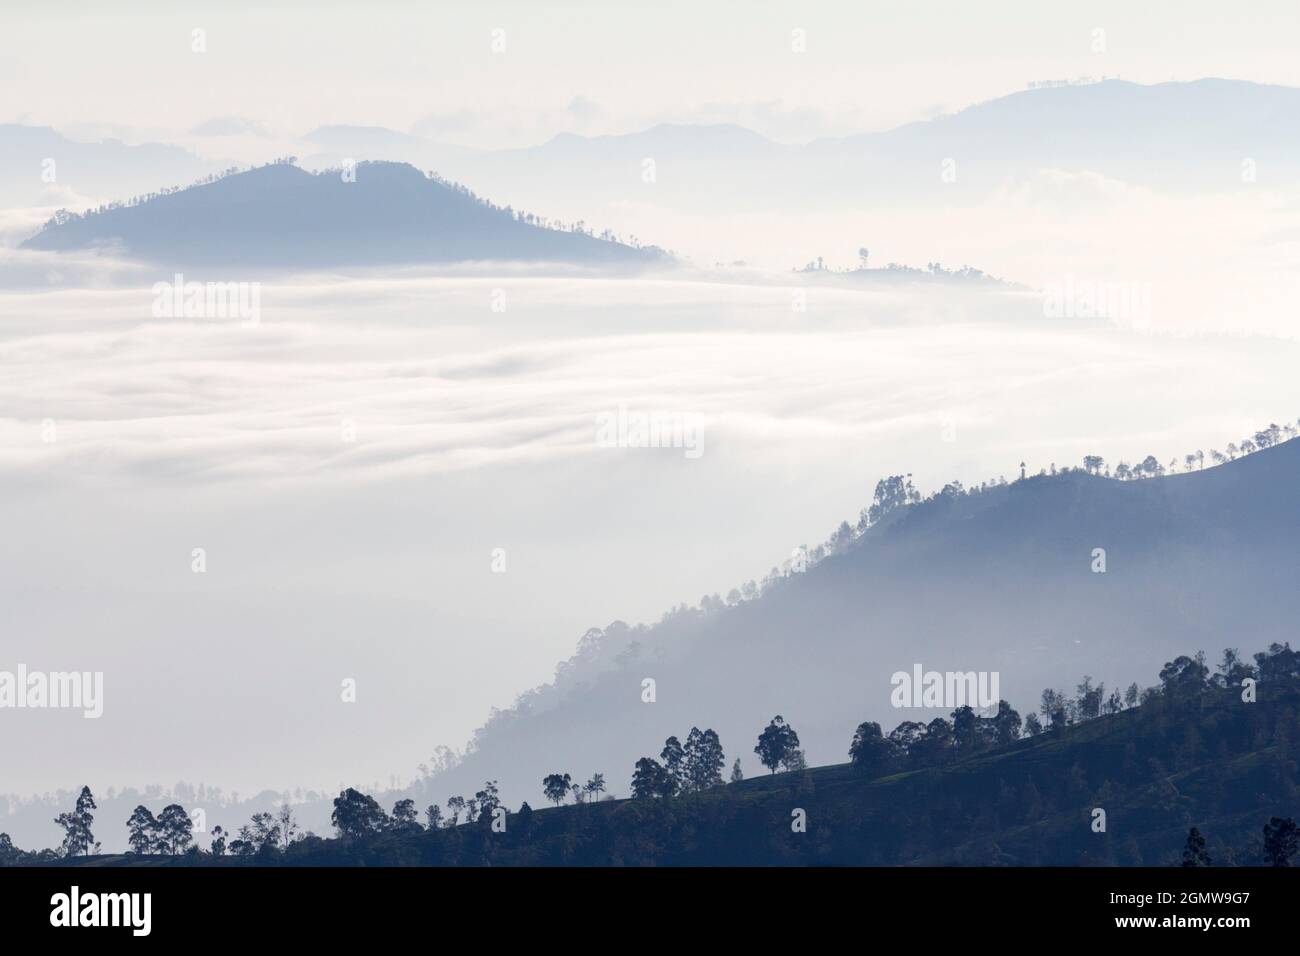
(280, 215)
(1202, 758)
(997, 581)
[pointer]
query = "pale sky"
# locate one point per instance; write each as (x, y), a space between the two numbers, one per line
(594, 67)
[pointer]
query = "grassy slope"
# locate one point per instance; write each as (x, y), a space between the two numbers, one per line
(1213, 762)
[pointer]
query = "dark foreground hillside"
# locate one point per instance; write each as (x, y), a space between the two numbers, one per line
(1205, 759)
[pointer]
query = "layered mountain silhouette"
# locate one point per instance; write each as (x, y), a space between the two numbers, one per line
(282, 216)
(1000, 580)
(1178, 137)
(39, 165)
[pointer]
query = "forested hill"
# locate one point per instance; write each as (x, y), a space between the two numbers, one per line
(279, 215)
(1121, 789)
(1002, 578)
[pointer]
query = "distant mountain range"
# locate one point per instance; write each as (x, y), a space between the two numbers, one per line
(1199, 136)
(38, 165)
(1206, 135)
(282, 216)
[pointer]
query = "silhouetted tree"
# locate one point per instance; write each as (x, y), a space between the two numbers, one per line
(287, 825)
(1277, 663)
(556, 787)
(674, 759)
(488, 799)
(404, 815)
(651, 779)
(776, 740)
(142, 830)
(455, 806)
(1194, 853)
(1184, 675)
(737, 774)
(870, 752)
(357, 815)
(1280, 840)
(76, 825)
(703, 759)
(1006, 724)
(174, 828)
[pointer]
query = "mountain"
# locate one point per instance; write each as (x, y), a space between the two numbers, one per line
(282, 216)
(998, 580)
(93, 170)
(1191, 137)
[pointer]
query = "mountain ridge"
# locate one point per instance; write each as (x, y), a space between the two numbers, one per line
(373, 213)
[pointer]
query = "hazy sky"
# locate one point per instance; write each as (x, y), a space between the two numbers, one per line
(594, 67)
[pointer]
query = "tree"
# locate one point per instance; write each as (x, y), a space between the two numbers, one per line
(488, 799)
(357, 815)
(965, 729)
(794, 760)
(650, 779)
(1093, 464)
(433, 816)
(404, 815)
(1033, 726)
(1184, 675)
(9, 854)
(556, 787)
(892, 493)
(1053, 708)
(776, 740)
(870, 752)
(674, 759)
(1006, 725)
(287, 825)
(455, 806)
(1088, 699)
(863, 254)
(1232, 669)
(76, 825)
(142, 830)
(1194, 853)
(1277, 663)
(175, 829)
(259, 836)
(1280, 841)
(737, 774)
(704, 760)
(218, 846)
(595, 786)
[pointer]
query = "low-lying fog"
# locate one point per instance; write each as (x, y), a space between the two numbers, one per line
(350, 461)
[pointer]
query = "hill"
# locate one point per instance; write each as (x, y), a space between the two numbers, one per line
(282, 216)
(999, 579)
(41, 166)
(1191, 756)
